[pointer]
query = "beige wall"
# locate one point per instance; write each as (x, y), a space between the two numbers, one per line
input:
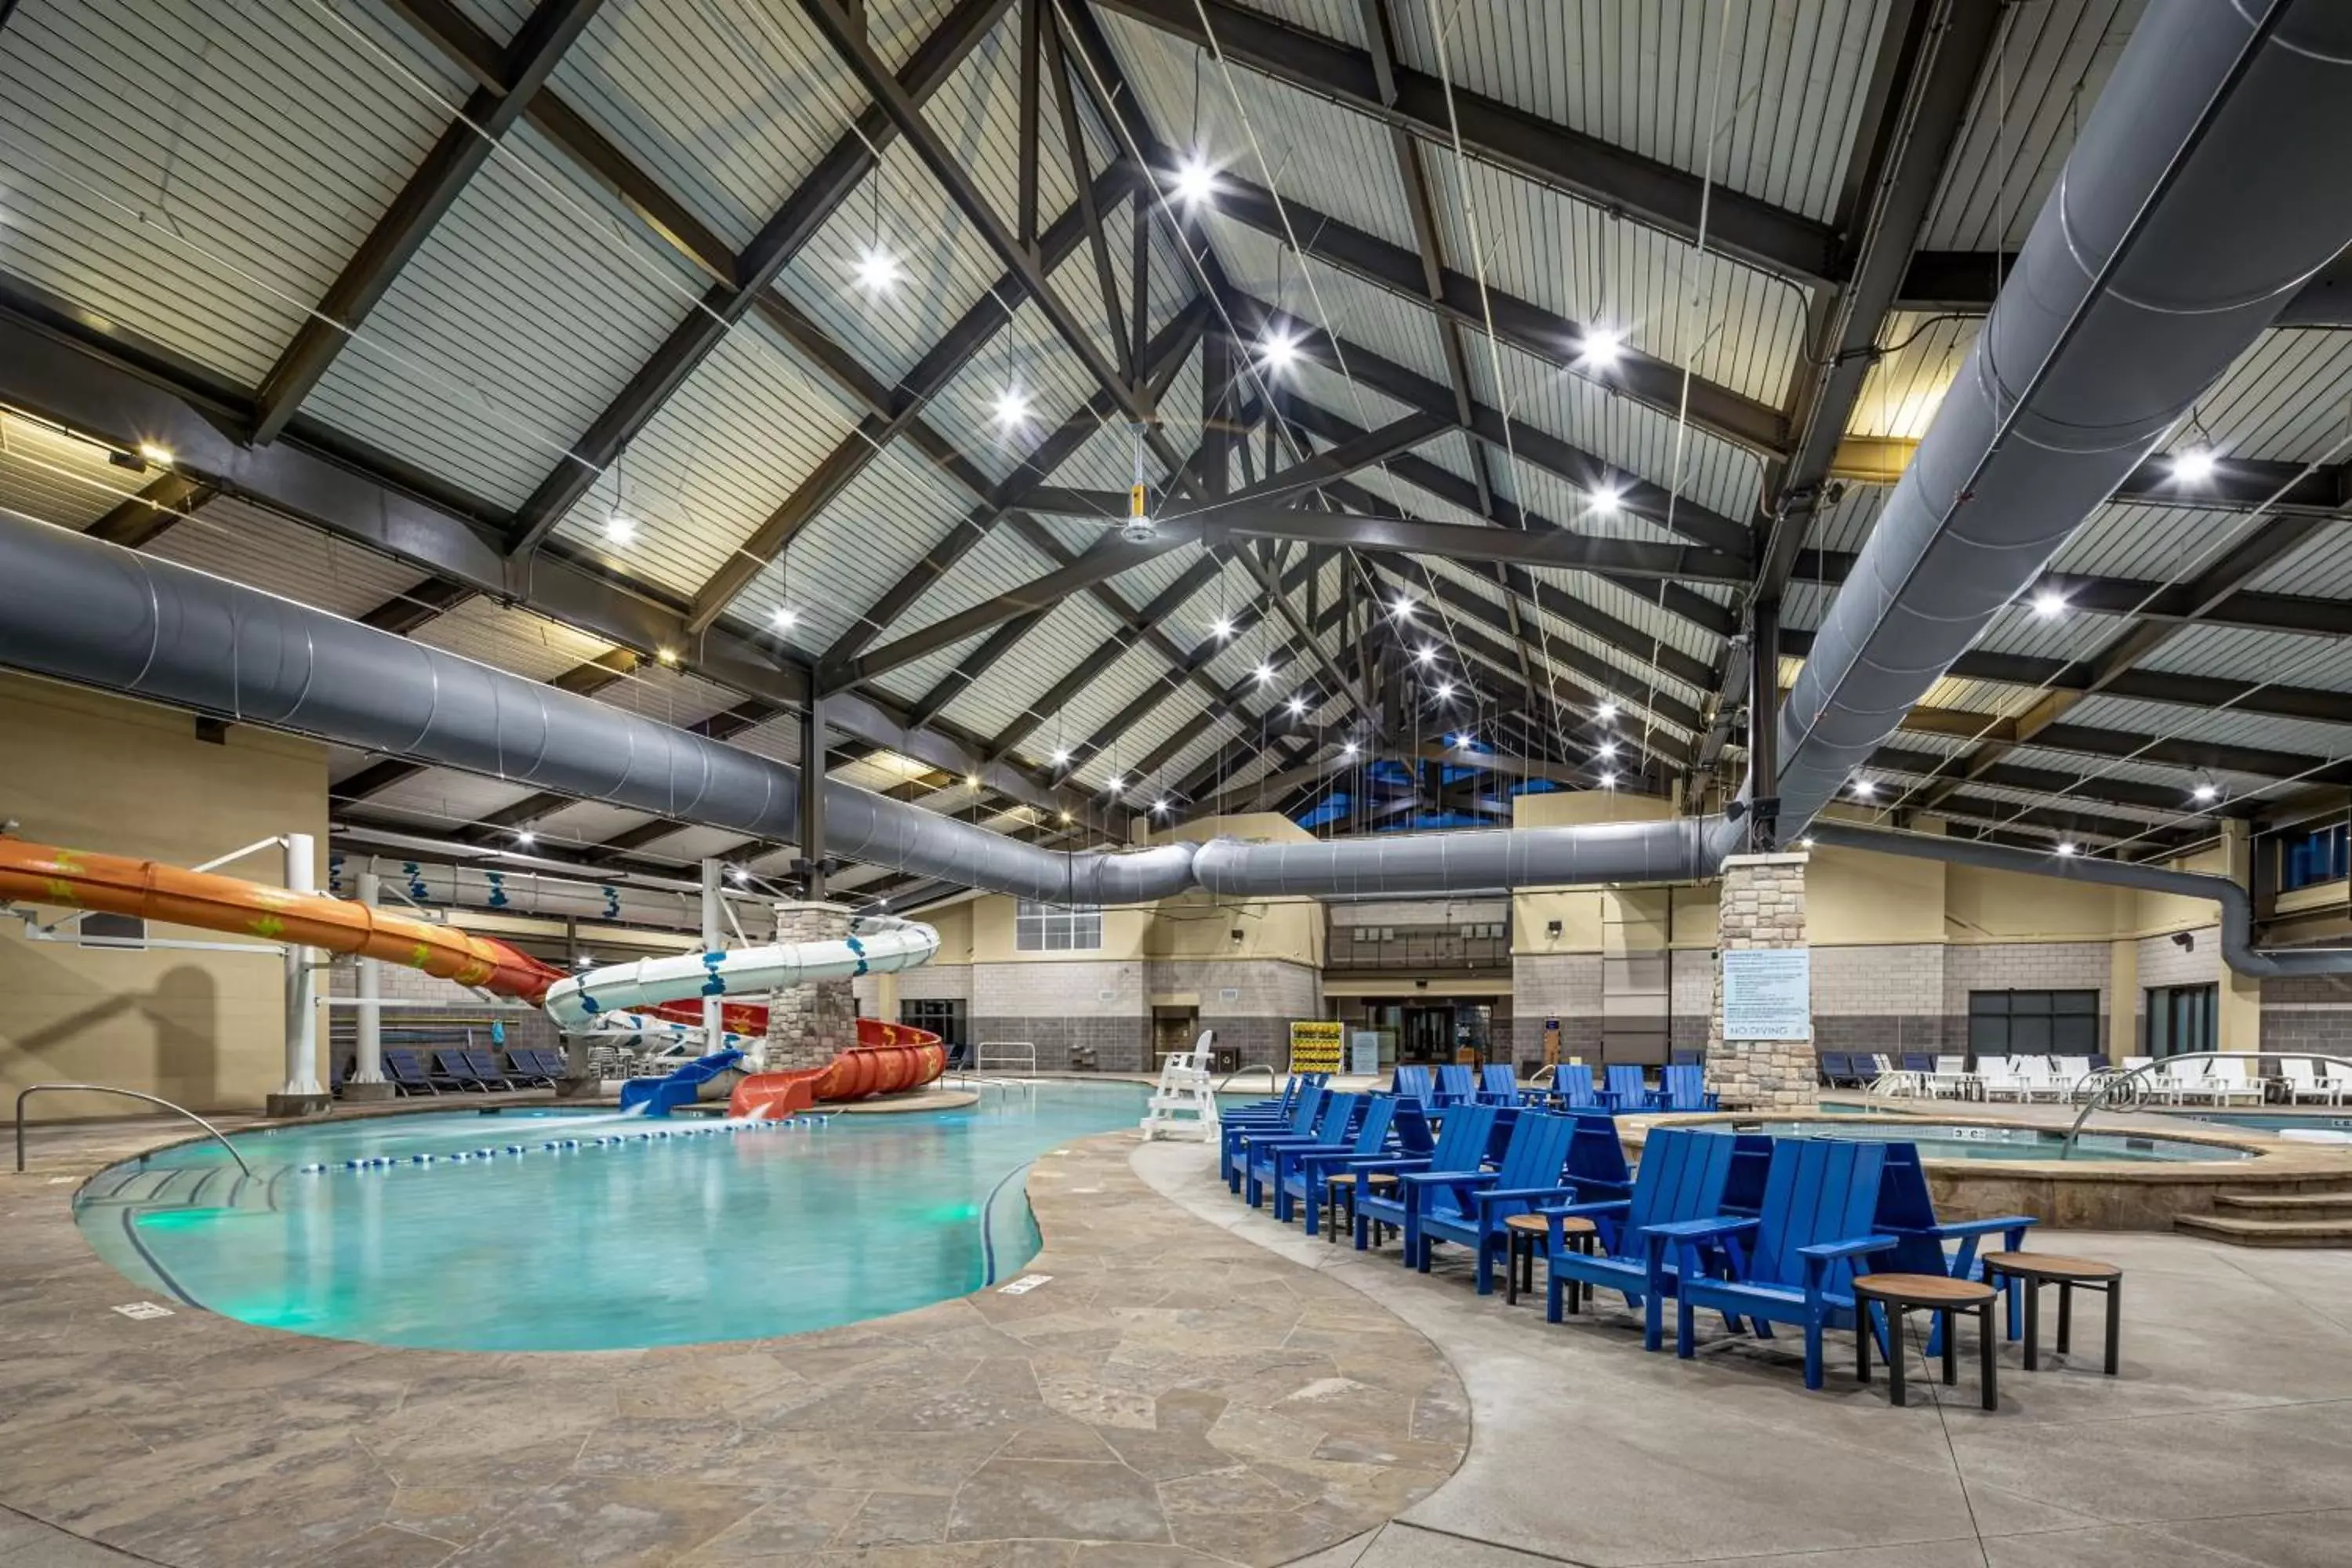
(98, 773)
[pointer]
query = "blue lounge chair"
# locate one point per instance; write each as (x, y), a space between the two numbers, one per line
(1455, 1085)
(408, 1072)
(1234, 1137)
(1331, 1126)
(1624, 1090)
(1469, 1209)
(1682, 1087)
(1498, 1085)
(484, 1064)
(1794, 1262)
(1461, 1150)
(1572, 1089)
(1683, 1176)
(1833, 1069)
(529, 1066)
(1917, 1061)
(453, 1068)
(1299, 1168)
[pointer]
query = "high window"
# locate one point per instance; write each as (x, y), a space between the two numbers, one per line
(2033, 1022)
(2308, 858)
(1056, 928)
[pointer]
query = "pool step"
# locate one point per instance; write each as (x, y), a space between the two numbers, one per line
(2282, 1219)
(2285, 1205)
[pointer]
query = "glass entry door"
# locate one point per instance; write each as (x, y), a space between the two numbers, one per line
(2180, 1019)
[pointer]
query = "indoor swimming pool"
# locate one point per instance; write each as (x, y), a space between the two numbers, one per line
(463, 1230)
(1967, 1141)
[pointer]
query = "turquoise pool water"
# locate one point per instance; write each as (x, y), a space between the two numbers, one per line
(1953, 1140)
(720, 1235)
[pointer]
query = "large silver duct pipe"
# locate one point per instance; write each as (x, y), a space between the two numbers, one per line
(96, 614)
(2214, 175)
(2237, 910)
(85, 611)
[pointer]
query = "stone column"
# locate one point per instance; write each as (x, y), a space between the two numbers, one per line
(1763, 906)
(808, 1026)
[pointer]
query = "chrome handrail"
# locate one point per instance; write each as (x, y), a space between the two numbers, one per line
(2111, 1079)
(1272, 1082)
(220, 1137)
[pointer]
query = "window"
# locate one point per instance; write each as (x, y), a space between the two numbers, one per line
(2179, 1018)
(1056, 928)
(2033, 1022)
(2306, 859)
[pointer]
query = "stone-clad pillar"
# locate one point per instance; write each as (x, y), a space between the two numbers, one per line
(808, 1026)
(1763, 906)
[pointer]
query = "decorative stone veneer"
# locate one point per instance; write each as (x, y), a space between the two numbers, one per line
(1763, 907)
(809, 1025)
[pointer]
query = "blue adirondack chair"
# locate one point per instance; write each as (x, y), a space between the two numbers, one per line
(1571, 1088)
(1683, 1176)
(1681, 1089)
(1624, 1090)
(1498, 1085)
(1469, 1209)
(1332, 1124)
(1907, 1213)
(1794, 1262)
(1232, 1138)
(1279, 1108)
(1412, 1083)
(1299, 1168)
(1689, 1058)
(1455, 1085)
(1461, 1150)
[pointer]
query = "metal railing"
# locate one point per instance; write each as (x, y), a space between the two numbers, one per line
(1005, 1056)
(218, 1136)
(1272, 1084)
(2130, 1084)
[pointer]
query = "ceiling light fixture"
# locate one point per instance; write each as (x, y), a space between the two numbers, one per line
(1114, 784)
(737, 875)
(1012, 409)
(1804, 843)
(1277, 349)
(1601, 347)
(2206, 793)
(1264, 672)
(1223, 629)
(1605, 749)
(2194, 466)
(1160, 805)
(1606, 713)
(2049, 603)
(1445, 692)
(666, 655)
(1863, 789)
(1297, 705)
(877, 271)
(1404, 608)
(1459, 741)
(1061, 756)
(1427, 654)
(620, 528)
(1348, 750)
(1608, 781)
(2067, 846)
(971, 781)
(1195, 179)
(781, 617)
(156, 452)
(526, 837)
(1604, 499)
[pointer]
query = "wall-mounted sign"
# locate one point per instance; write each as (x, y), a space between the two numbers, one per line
(1364, 1053)
(1314, 1046)
(1768, 993)
(1551, 1042)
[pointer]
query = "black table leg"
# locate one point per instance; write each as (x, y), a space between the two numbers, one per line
(2032, 1324)
(1949, 1322)
(1511, 1269)
(1861, 1342)
(1985, 1362)
(2115, 1325)
(2066, 1316)
(1895, 1353)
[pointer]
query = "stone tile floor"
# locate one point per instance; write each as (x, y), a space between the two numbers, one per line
(1174, 1395)
(2226, 1441)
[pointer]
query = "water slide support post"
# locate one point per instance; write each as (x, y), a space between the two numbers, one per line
(714, 1024)
(303, 1094)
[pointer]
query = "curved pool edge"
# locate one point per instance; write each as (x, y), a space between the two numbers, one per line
(2080, 1194)
(864, 1412)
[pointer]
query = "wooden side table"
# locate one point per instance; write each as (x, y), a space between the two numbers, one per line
(1527, 1234)
(1340, 1184)
(2035, 1270)
(1948, 1298)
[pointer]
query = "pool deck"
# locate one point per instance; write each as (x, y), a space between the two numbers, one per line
(1173, 1394)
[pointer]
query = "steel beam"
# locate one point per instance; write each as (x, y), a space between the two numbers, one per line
(748, 276)
(490, 111)
(139, 519)
(1655, 193)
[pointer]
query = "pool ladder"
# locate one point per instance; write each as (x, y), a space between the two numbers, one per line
(218, 1136)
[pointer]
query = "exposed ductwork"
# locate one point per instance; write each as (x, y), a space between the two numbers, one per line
(2238, 950)
(2213, 176)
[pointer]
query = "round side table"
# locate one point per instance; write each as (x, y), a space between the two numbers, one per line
(1527, 1233)
(1948, 1298)
(2035, 1270)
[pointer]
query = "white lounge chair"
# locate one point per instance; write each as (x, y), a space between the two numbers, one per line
(2072, 1072)
(2234, 1081)
(1952, 1079)
(2308, 1081)
(2004, 1080)
(2178, 1083)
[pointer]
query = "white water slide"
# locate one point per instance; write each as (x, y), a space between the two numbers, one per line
(882, 947)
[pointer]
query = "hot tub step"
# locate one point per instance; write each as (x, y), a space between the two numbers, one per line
(2266, 1232)
(2285, 1206)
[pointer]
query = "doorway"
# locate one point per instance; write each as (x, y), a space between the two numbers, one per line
(2180, 1019)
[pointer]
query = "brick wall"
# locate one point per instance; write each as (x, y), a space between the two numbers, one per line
(1094, 1003)
(1266, 994)
(2024, 966)
(1888, 998)
(525, 1028)
(1563, 985)
(2307, 1012)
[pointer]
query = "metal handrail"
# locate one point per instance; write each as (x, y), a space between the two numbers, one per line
(2110, 1079)
(218, 1136)
(1271, 1081)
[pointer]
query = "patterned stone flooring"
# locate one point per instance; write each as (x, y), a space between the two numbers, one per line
(1174, 1394)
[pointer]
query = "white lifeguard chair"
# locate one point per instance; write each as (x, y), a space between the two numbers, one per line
(1184, 1102)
